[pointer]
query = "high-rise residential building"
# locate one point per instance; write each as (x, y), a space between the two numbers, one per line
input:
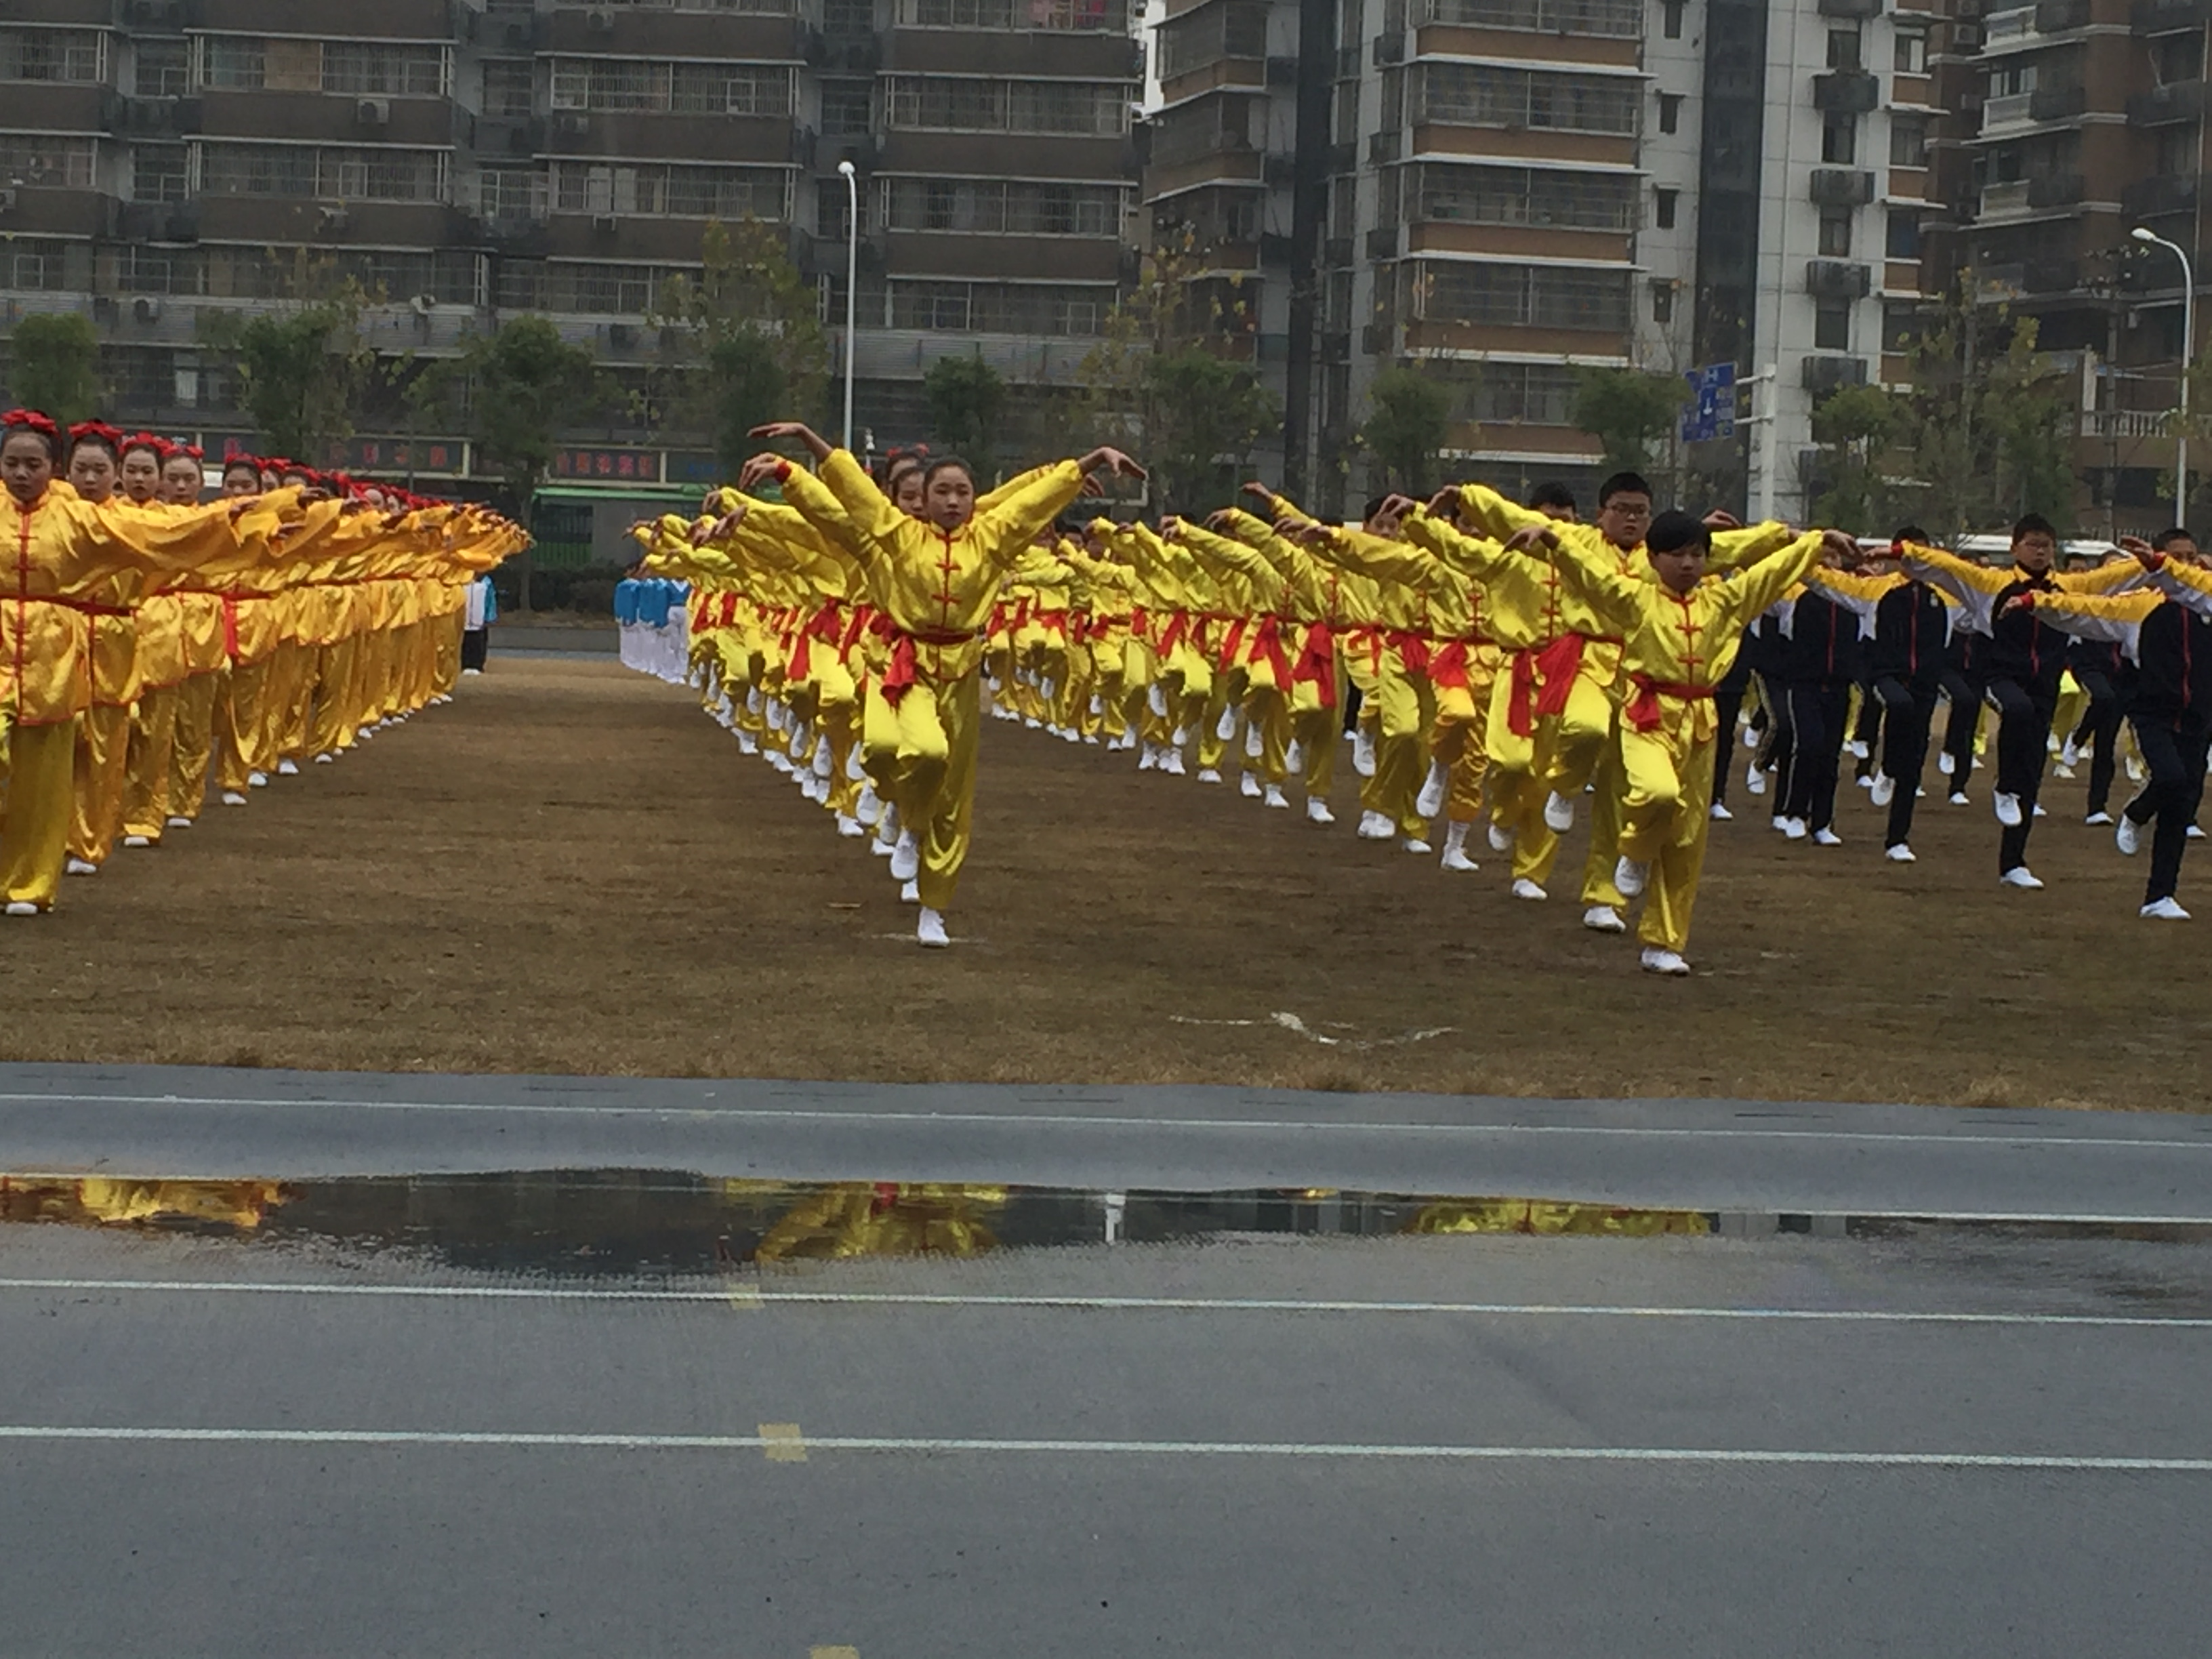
(165, 160)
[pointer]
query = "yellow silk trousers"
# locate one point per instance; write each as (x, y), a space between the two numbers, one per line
(193, 741)
(1585, 728)
(101, 769)
(330, 724)
(1405, 706)
(921, 755)
(34, 827)
(243, 731)
(152, 764)
(1666, 809)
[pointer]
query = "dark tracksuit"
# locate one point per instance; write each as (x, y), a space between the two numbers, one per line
(1765, 647)
(2104, 671)
(1966, 672)
(2026, 657)
(1822, 658)
(1912, 627)
(1727, 703)
(2172, 718)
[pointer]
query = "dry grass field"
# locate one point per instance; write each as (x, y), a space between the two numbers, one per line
(571, 870)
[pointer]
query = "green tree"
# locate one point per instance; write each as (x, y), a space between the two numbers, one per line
(1856, 425)
(1633, 414)
(54, 365)
(1204, 415)
(524, 384)
(967, 399)
(303, 370)
(743, 338)
(1409, 415)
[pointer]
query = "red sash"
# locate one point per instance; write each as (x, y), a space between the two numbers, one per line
(1644, 712)
(1317, 662)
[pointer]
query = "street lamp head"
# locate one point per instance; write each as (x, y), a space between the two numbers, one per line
(2143, 234)
(846, 168)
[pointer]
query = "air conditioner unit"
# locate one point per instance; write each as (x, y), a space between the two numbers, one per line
(146, 309)
(601, 22)
(422, 304)
(572, 126)
(7, 201)
(373, 111)
(603, 224)
(332, 219)
(621, 334)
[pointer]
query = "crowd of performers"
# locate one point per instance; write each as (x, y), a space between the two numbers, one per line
(151, 641)
(1506, 663)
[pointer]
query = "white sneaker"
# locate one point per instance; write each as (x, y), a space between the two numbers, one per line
(1604, 919)
(1415, 844)
(2193, 833)
(1249, 786)
(1455, 857)
(2098, 820)
(232, 797)
(1317, 811)
(22, 907)
(909, 892)
(906, 857)
(1525, 889)
(1294, 758)
(930, 929)
(2039, 813)
(1881, 789)
(1794, 829)
(1373, 826)
(1864, 780)
(1209, 775)
(1857, 749)
(179, 821)
(1255, 741)
(1959, 798)
(1273, 796)
(1171, 763)
(2068, 754)
(1901, 853)
(1224, 728)
(2019, 875)
(287, 768)
(2063, 770)
(1720, 814)
(2127, 835)
(2007, 809)
(77, 867)
(1362, 752)
(138, 841)
(1559, 812)
(1656, 961)
(1629, 876)
(1430, 800)
(1750, 738)
(1150, 759)
(1946, 762)
(1826, 838)
(870, 806)
(1754, 780)
(850, 827)
(256, 780)
(1501, 838)
(2164, 910)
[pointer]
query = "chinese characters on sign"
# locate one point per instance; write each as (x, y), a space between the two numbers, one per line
(611, 465)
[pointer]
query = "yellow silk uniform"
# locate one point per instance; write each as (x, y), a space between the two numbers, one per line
(103, 731)
(936, 588)
(1676, 648)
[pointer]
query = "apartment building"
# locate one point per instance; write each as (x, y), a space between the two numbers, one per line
(164, 158)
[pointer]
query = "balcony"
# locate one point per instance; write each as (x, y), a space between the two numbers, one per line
(1825, 374)
(2016, 196)
(1842, 187)
(1846, 92)
(2162, 193)
(2170, 16)
(1837, 279)
(2057, 103)
(2014, 28)
(2007, 111)
(2057, 16)
(2167, 106)
(2124, 423)
(1860, 10)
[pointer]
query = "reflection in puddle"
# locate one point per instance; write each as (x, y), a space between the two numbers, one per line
(626, 1222)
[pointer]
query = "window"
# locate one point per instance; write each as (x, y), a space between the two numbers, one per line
(1843, 49)
(626, 85)
(359, 69)
(1470, 94)
(998, 307)
(661, 191)
(1839, 140)
(351, 67)
(1519, 295)
(508, 86)
(1903, 241)
(1663, 207)
(1523, 196)
(1670, 15)
(46, 163)
(961, 103)
(1911, 55)
(833, 209)
(846, 105)
(158, 173)
(1211, 34)
(1005, 207)
(1835, 233)
(2178, 57)
(1670, 111)
(1832, 325)
(1108, 14)
(51, 55)
(330, 175)
(1663, 301)
(1619, 19)
(1908, 141)
(1536, 394)
(164, 69)
(512, 195)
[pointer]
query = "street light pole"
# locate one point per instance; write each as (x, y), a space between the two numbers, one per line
(852, 283)
(2142, 234)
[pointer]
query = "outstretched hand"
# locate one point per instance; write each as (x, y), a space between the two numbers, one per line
(1841, 546)
(1091, 486)
(775, 431)
(1395, 508)
(1721, 519)
(1257, 490)
(762, 468)
(2142, 552)
(1529, 536)
(1445, 504)
(1112, 462)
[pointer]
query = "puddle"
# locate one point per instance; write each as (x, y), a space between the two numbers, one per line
(630, 1221)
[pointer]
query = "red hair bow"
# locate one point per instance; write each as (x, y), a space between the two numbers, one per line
(32, 420)
(114, 434)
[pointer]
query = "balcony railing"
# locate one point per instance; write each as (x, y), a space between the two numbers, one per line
(2010, 110)
(1842, 187)
(2162, 192)
(2170, 16)
(2001, 201)
(1846, 92)
(2109, 423)
(2166, 105)
(2008, 28)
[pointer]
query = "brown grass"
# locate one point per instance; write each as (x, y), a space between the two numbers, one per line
(573, 871)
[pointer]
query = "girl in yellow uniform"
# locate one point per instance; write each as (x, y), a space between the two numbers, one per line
(103, 731)
(936, 580)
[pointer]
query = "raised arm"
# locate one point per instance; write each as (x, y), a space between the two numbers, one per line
(1748, 592)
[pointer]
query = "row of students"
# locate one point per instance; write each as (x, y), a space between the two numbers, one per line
(151, 644)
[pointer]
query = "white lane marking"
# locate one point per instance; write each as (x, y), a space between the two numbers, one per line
(1967, 1137)
(1298, 1027)
(1256, 1448)
(745, 1297)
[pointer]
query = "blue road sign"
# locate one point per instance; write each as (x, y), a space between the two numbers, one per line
(1713, 413)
